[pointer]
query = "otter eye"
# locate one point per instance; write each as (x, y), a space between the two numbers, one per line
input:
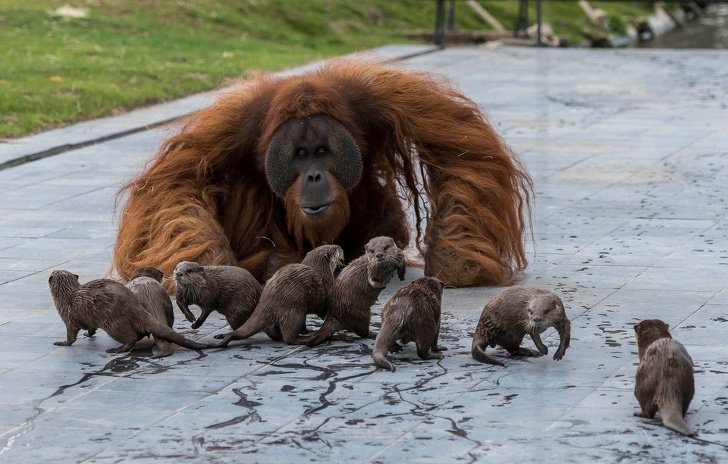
(386, 247)
(548, 310)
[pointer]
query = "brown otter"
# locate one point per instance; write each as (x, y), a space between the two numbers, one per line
(664, 380)
(515, 312)
(413, 313)
(230, 290)
(108, 305)
(356, 289)
(292, 292)
(146, 284)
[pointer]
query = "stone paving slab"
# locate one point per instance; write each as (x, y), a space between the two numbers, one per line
(629, 155)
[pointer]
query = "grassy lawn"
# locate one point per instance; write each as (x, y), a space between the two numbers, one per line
(122, 54)
(55, 70)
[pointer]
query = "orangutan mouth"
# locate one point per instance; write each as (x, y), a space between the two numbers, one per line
(315, 210)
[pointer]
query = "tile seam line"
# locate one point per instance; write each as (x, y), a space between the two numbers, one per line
(59, 149)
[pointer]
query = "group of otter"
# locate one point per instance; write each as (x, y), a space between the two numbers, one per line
(142, 308)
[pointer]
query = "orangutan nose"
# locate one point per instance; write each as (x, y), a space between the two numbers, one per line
(314, 177)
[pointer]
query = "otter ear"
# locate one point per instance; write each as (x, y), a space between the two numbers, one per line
(667, 326)
(636, 327)
(76, 276)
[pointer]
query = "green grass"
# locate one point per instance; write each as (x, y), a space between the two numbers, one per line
(130, 53)
(125, 54)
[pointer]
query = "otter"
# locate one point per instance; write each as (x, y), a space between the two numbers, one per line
(292, 292)
(413, 313)
(664, 380)
(108, 305)
(146, 284)
(230, 290)
(515, 312)
(356, 289)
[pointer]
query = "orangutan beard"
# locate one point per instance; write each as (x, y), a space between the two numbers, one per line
(310, 231)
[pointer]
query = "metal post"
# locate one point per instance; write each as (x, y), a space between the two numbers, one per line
(538, 23)
(451, 16)
(440, 24)
(519, 29)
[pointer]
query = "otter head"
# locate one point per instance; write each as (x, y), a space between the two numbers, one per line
(648, 331)
(383, 256)
(544, 310)
(148, 271)
(188, 273)
(325, 258)
(432, 285)
(63, 284)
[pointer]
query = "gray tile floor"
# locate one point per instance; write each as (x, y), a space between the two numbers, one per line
(629, 154)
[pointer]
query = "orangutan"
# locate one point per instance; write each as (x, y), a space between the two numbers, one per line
(281, 165)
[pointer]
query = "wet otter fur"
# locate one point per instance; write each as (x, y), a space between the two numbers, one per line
(516, 312)
(146, 284)
(230, 290)
(107, 304)
(413, 313)
(664, 380)
(356, 289)
(294, 291)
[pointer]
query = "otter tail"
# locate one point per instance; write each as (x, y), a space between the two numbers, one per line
(478, 352)
(384, 340)
(672, 394)
(251, 327)
(380, 359)
(672, 418)
(162, 331)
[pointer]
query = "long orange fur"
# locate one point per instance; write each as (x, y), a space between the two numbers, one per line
(205, 198)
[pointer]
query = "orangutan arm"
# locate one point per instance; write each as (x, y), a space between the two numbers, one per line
(477, 190)
(167, 228)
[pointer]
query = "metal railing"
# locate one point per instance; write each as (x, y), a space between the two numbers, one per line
(445, 17)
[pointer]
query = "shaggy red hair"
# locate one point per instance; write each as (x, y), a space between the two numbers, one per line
(205, 197)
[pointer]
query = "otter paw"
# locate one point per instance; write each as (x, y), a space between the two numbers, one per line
(558, 355)
(395, 348)
(63, 343)
(526, 352)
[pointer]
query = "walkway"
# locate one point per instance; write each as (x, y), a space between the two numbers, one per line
(629, 154)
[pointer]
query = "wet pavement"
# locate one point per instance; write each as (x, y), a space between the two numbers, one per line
(629, 155)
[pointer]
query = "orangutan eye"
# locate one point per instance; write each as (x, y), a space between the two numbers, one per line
(321, 151)
(301, 152)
